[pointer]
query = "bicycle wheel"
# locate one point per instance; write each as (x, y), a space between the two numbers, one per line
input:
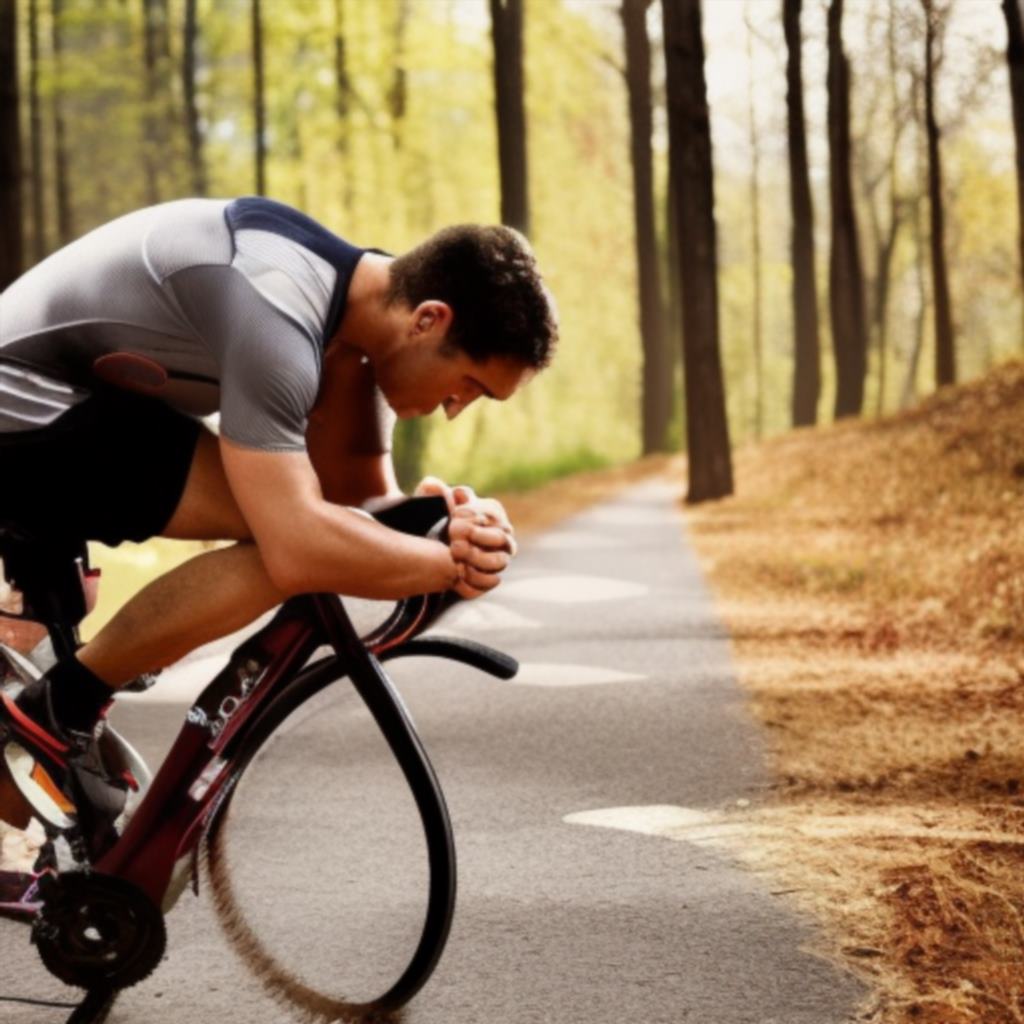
(331, 864)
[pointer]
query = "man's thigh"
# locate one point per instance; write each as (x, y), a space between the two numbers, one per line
(113, 468)
(207, 509)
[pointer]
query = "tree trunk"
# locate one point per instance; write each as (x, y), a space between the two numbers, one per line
(343, 106)
(755, 236)
(61, 171)
(888, 247)
(11, 232)
(846, 278)
(807, 358)
(945, 348)
(909, 390)
(196, 162)
(36, 135)
(509, 98)
(656, 392)
(258, 100)
(710, 462)
(1015, 62)
(398, 92)
(152, 158)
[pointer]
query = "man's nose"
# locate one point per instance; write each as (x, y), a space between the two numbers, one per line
(454, 405)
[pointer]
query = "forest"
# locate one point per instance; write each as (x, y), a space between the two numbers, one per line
(812, 207)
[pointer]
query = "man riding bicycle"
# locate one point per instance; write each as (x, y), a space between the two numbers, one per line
(308, 347)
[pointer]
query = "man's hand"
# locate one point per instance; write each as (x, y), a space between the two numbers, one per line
(481, 536)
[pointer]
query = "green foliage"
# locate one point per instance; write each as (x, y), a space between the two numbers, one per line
(522, 476)
(392, 135)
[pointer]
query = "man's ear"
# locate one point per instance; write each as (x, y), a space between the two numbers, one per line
(432, 315)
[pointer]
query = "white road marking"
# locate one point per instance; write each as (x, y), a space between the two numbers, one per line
(625, 515)
(556, 674)
(575, 540)
(737, 830)
(572, 589)
(652, 820)
(474, 616)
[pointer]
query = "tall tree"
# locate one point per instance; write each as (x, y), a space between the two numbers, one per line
(259, 100)
(153, 155)
(36, 135)
(11, 233)
(398, 96)
(846, 278)
(807, 357)
(885, 237)
(945, 346)
(343, 105)
(690, 163)
(510, 107)
(1015, 61)
(757, 326)
(909, 389)
(61, 161)
(193, 127)
(656, 391)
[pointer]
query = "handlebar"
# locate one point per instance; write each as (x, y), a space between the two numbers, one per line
(396, 636)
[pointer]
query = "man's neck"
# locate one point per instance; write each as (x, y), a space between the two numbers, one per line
(366, 323)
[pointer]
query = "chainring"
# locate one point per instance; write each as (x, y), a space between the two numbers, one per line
(97, 931)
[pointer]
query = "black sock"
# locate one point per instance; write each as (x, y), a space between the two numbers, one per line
(77, 695)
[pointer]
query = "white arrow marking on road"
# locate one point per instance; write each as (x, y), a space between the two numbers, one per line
(577, 540)
(653, 820)
(572, 589)
(556, 674)
(477, 615)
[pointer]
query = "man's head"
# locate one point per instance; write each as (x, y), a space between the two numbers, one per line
(476, 317)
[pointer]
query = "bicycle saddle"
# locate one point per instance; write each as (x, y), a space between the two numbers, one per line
(48, 572)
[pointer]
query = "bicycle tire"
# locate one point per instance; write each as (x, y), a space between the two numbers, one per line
(395, 724)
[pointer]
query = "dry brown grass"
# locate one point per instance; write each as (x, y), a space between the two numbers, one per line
(872, 576)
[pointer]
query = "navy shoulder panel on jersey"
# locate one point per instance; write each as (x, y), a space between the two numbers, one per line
(256, 213)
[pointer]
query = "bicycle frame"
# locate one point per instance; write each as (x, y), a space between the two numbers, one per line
(267, 677)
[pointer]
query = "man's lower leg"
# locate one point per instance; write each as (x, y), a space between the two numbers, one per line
(201, 600)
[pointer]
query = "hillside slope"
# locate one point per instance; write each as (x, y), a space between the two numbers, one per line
(872, 575)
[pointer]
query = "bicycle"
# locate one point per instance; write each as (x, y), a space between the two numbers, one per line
(100, 926)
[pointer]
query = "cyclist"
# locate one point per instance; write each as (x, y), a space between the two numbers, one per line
(308, 347)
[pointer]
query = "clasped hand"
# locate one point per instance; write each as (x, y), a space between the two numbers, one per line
(479, 534)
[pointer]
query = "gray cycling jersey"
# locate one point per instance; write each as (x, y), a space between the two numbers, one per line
(234, 299)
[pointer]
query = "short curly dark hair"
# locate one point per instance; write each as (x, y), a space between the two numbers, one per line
(488, 276)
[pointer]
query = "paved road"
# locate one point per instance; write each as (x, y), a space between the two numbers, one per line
(575, 903)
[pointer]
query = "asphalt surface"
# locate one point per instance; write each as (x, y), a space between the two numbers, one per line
(578, 900)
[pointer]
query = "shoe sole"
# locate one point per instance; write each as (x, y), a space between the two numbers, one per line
(36, 785)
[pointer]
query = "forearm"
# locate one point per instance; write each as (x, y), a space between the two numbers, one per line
(339, 550)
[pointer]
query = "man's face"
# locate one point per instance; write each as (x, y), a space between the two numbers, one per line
(427, 373)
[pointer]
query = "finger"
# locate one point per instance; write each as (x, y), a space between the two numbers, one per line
(432, 485)
(464, 590)
(486, 561)
(463, 494)
(480, 580)
(489, 537)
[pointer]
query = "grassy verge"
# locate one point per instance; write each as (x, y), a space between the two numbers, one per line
(872, 576)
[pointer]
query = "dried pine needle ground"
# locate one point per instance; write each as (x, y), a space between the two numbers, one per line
(872, 576)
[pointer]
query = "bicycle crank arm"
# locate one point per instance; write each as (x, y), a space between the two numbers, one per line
(469, 652)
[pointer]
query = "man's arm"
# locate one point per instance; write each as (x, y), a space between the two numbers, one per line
(309, 544)
(348, 434)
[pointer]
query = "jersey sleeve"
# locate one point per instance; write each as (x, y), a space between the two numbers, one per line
(269, 366)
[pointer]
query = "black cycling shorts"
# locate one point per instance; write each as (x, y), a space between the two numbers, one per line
(112, 468)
